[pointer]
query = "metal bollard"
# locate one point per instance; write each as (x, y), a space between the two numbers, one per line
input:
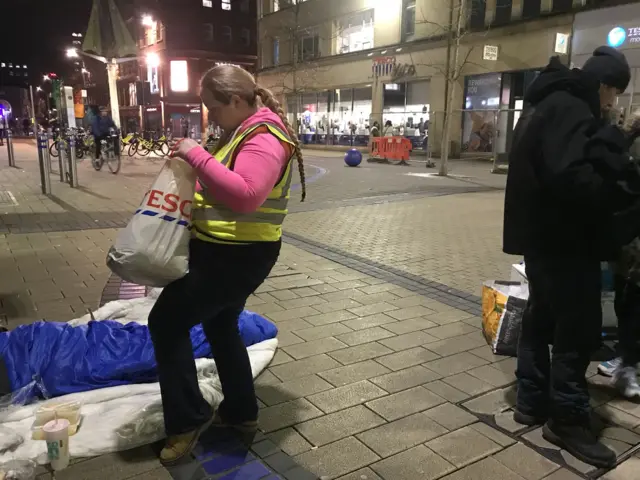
(62, 152)
(47, 152)
(73, 167)
(10, 153)
(43, 154)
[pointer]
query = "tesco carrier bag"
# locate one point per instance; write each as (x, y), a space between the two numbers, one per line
(153, 249)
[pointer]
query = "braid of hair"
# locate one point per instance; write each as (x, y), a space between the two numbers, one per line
(269, 101)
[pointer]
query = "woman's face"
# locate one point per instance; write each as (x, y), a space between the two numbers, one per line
(229, 116)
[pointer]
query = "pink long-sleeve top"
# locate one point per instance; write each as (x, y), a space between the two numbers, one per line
(259, 164)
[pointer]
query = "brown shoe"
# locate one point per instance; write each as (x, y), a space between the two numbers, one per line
(249, 426)
(180, 446)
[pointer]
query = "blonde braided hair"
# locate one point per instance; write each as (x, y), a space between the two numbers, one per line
(269, 101)
(224, 81)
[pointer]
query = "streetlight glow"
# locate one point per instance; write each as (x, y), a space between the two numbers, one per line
(147, 20)
(39, 89)
(46, 78)
(72, 53)
(153, 60)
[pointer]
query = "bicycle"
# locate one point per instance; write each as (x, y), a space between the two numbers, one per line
(61, 141)
(85, 144)
(159, 146)
(108, 151)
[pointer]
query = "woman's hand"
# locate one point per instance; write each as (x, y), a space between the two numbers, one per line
(180, 148)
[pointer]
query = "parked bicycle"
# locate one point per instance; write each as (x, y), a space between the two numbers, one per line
(144, 146)
(61, 142)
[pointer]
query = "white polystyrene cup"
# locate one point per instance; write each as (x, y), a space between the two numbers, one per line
(56, 434)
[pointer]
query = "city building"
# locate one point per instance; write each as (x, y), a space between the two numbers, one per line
(340, 65)
(178, 41)
(14, 93)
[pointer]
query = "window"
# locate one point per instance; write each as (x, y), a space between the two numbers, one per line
(207, 3)
(207, 32)
(246, 36)
(409, 18)
(226, 4)
(280, 4)
(276, 51)
(179, 76)
(227, 33)
(355, 33)
(308, 47)
(244, 6)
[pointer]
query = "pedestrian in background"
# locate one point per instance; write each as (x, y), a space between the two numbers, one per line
(571, 201)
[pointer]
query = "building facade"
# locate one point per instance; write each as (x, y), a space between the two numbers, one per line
(178, 41)
(340, 65)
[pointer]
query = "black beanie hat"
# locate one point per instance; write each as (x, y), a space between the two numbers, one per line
(610, 67)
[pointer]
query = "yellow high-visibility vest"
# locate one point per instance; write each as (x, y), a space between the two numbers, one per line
(215, 222)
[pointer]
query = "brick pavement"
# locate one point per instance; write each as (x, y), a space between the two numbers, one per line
(382, 372)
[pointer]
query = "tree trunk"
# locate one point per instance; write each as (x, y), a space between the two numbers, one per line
(452, 74)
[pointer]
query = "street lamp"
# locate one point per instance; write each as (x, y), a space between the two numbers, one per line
(38, 89)
(46, 78)
(153, 60)
(72, 53)
(147, 20)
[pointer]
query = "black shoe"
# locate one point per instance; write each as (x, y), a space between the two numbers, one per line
(579, 440)
(528, 420)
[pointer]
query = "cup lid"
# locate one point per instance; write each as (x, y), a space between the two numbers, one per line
(56, 425)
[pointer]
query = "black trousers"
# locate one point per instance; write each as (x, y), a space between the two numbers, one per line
(627, 307)
(564, 309)
(214, 292)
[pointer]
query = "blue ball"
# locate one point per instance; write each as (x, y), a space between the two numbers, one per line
(353, 157)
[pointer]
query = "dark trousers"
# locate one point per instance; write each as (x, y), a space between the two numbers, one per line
(98, 141)
(627, 307)
(214, 292)
(564, 309)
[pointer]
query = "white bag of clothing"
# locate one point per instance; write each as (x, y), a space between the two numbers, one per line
(153, 249)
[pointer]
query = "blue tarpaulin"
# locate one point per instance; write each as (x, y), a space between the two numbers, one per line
(100, 354)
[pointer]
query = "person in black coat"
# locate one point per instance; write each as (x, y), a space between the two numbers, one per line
(572, 200)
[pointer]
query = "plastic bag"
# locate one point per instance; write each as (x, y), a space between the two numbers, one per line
(24, 396)
(18, 470)
(9, 439)
(503, 304)
(153, 249)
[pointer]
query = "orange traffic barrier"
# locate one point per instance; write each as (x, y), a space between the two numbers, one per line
(391, 148)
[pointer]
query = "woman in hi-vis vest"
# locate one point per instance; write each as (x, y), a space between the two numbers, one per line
(238, 210)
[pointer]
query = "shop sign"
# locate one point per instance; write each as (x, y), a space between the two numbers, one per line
(562, 43)
(490, 52)
(383, 66)
(152, 109)
(403, 70)
(619, 35)
(387, 66)
(194, 110)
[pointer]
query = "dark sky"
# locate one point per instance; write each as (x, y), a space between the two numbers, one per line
(37, 32)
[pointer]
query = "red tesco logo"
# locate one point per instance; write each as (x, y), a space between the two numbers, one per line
(169, 202)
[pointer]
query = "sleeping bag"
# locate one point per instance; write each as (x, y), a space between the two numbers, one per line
(67, 359)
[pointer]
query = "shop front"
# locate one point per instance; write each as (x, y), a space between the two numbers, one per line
(184, 120)
(152, 118)
(493, 103)
(618, 27)
(332, 117)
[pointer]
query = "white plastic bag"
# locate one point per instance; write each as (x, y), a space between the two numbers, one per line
(153, 249)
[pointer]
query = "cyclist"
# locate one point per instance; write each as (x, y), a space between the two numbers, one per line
(100, 126)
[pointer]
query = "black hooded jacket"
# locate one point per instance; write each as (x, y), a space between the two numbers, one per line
(571, 188)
